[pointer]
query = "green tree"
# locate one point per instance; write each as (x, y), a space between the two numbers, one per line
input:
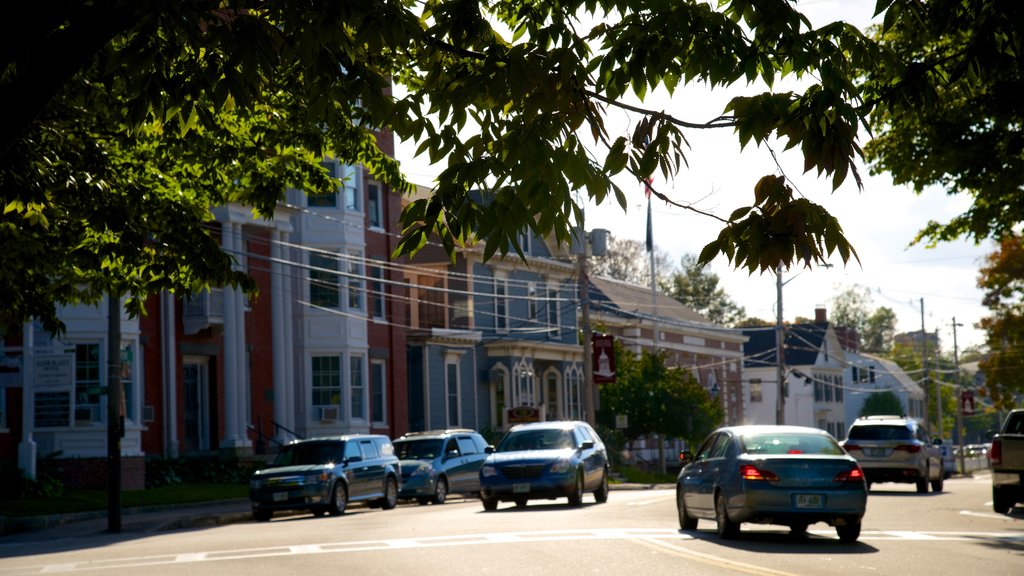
(952, 118)
(879, 331)
(876, 328)
(511, 96)
(698, 288)
(658, 399)
(1002, 279)
(752, 322)
(882, 403)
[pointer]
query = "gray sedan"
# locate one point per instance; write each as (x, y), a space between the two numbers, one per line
(789, 475)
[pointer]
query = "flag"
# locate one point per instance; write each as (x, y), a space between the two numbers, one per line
(650, 227)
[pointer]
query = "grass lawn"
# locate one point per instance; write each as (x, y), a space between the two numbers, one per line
(87, 500)
(638, 476)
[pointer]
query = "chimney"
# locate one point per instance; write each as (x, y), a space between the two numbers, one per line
(820, 315)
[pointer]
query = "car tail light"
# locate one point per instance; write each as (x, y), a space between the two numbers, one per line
(850, 447)
(911, 448)
(995, 453)
(751, 472)
(854, 474)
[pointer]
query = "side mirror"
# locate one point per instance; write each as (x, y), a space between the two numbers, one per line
(353, 459)
(685, 457)
(588, 445)
(489, 450)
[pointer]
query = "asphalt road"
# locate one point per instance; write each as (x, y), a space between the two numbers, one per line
(635, 533)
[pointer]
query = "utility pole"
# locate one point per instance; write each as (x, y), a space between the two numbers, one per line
(959, 395)
(114, 416)
(924, 366)
(780, 352)
(588, 365)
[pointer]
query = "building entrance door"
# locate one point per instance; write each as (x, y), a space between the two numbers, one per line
(197, 406)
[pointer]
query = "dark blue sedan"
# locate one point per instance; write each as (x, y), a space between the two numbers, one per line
(789, 475)
(545, 460)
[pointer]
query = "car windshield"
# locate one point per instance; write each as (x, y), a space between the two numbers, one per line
(545, 439)
(880, 433)
(308, 453)
(426, 449)
(790, 443)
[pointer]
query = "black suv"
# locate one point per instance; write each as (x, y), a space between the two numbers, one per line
(323, 475)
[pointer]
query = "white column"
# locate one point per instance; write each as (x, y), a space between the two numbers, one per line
(27, 446)
(292, 393)
(279, 327)
(231, 348)
(169, 358)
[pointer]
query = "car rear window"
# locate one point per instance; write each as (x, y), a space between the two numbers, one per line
(880, 432)
(426, 449)
(790, 444)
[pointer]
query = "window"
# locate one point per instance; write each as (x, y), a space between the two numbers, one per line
(523, 380)
(127, 380)
(374, 205)
(524, 240)
(368, 450)
(378, 391)
(326, 384)
(431, 302)
(323, 281)
(325, 200)
(467, 446)
(756, 390)
(353, 194)
(573, 404)
(531, 302)
(376, 291)
(356, 282)
(452, 393)
(357, 387)
(501, 305)
(551, 396)
(554, 319)
(88, 389)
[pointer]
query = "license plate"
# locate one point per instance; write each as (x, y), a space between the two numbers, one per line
(875, 452)
(809, 500)
(521, 488)
(280, 496)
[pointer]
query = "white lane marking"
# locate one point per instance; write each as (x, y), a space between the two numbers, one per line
(649, 535)
(1003, 517)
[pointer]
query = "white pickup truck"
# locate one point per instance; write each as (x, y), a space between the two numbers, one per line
(1007, 460)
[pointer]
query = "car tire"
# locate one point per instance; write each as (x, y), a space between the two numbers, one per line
(849, 532)
(576, 498)
(922, 483)
(262, 515)
(937, 484)
(440, 491)
(521, 502)
(601, 494)
(686, 522)
(726, 528)
(339, 500)
(798, 529)
(1002, 500)
(390, 499)
(490, 504)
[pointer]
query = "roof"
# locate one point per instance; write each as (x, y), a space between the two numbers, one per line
(889, 369)
(802, 344)
(631, 301)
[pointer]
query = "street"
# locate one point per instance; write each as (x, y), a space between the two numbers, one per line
(636, 532)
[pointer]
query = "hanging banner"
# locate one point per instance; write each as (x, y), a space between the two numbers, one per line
(603, 358)
(967, 402)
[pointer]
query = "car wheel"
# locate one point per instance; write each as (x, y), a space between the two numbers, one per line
(727, 529)
(521, 502)
(798, 529)
(937, 484)
(262, 515)
(686, 522)
(922, 483)
(601, 494)
(490, 504)
(339, 500)
(867, 485)
(440, 491)
(576, 498)
(848, 532)
(390, 499)
(1002, 500)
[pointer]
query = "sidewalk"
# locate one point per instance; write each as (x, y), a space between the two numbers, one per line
(155, 518)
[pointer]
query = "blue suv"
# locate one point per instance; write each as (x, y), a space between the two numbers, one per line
(436, 463)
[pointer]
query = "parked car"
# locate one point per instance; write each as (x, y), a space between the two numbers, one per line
(323, 475)
(895, 449)
(789, 475)
(545, 460)
(438, 462)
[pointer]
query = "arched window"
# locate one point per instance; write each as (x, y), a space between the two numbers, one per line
(572, 400)
(525, 393)
(551, 395)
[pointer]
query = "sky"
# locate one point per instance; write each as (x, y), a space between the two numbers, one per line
(921, 285)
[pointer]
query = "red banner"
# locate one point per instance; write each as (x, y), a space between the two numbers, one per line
(603, 358)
